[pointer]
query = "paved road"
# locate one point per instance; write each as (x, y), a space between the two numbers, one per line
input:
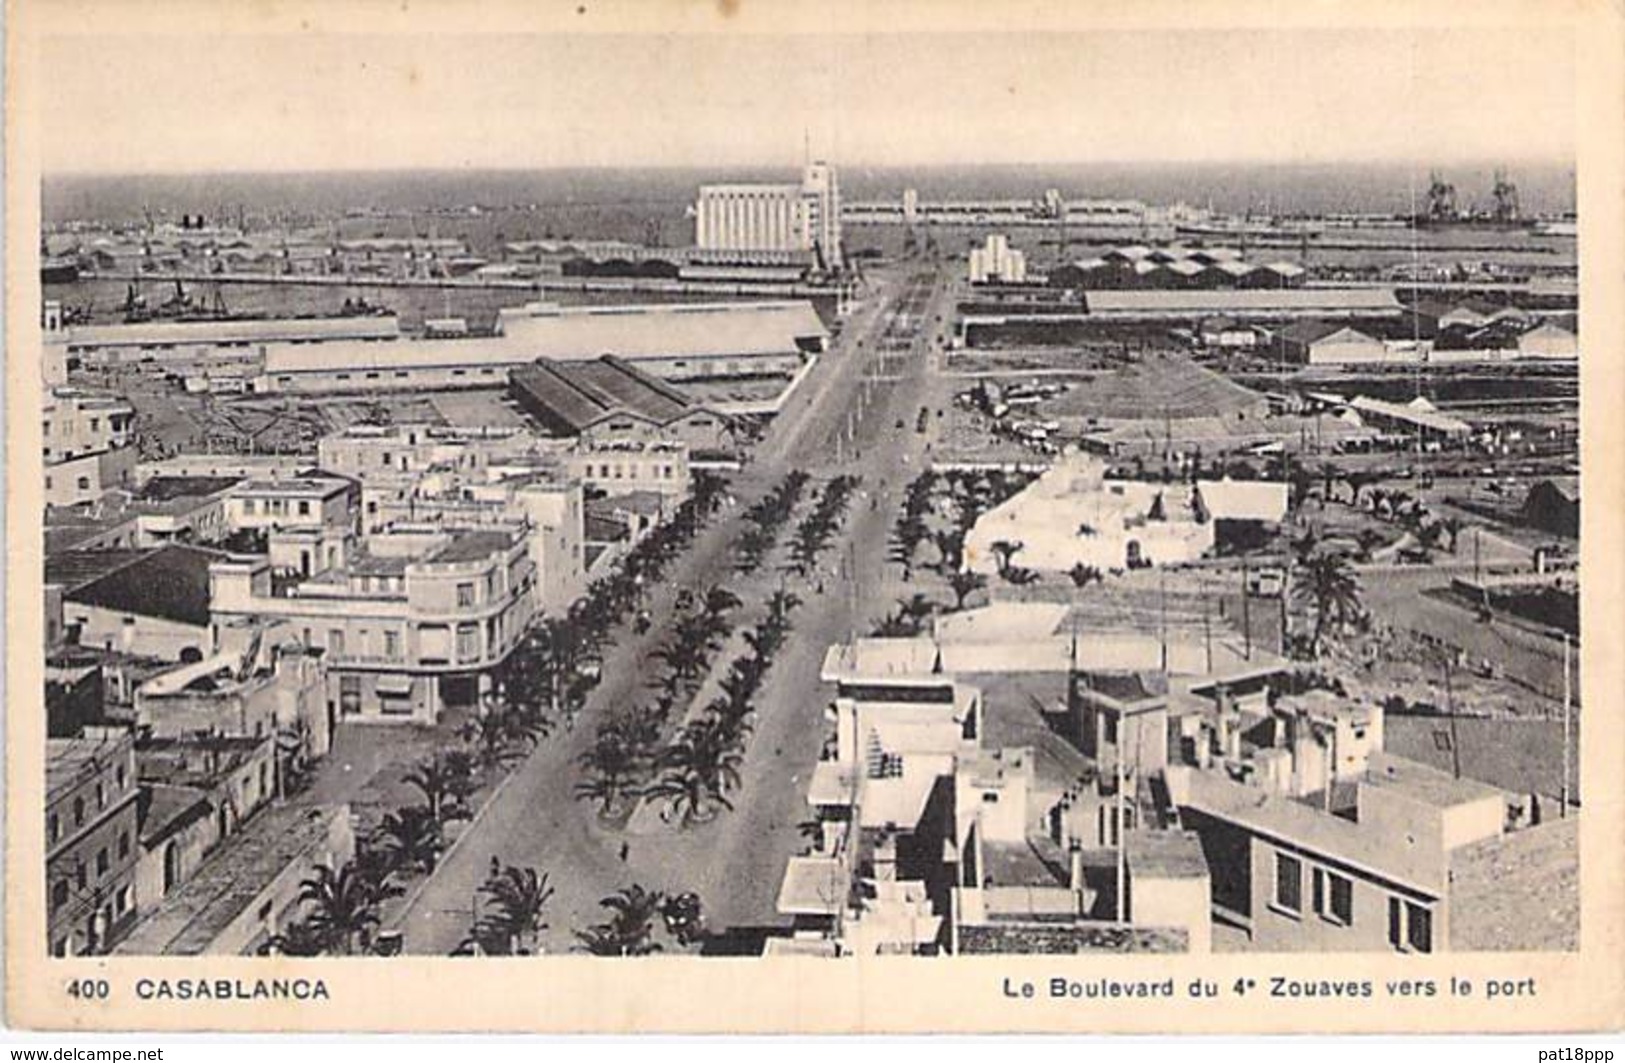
(736, 861)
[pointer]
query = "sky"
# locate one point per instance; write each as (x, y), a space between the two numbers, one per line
(291, 102)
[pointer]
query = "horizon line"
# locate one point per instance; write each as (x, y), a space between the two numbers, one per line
(1442, 165)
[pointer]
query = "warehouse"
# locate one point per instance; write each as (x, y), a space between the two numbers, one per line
(1325, 343)
(176, 340)
(1246, 305)
(611, 401)
(681, 341)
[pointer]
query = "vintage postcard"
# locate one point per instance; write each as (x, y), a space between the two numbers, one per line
(826, 517)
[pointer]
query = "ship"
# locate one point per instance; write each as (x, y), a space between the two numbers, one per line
(58, 269)
(1502, 213)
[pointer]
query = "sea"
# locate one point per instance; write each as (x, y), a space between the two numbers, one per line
(637, 204)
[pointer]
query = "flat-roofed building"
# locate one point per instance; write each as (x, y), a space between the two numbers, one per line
(411, 624)
(87, 445)
(176, 340)
(676, 341)
(90, 840)
(248, 891)
(774, 217)
(1320, 841)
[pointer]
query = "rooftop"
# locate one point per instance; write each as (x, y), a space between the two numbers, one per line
(170, 488)
(1406, 862)
(308, 486)
(1376, 301)
(1430, 785)
(814, 885)
(69, 759)
(198, 760)
(169, 583)
(1067, 939)
(474, 544)
(163, 810)
(578, 395)
(187, 922)
(1164, 854)
(154, 333)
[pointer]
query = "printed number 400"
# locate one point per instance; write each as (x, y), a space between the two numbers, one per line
(89, 989)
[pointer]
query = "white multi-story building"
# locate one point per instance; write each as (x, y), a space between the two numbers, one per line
(87, 447)
(774, 217)
(996, 262)
(412, 624)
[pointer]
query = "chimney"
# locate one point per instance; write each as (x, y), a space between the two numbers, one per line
(1075, 868)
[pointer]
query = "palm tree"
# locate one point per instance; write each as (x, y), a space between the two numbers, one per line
(343, 907)
(719, 602)
(444, 784)
(1083, 575)
(412, 835)
(298, 938)
(964, 584)
(516, 898)
(1329, 583)
(699, 770)
(1020, 575)
(489, 736)
(294, 764)
(1004, 550)
(629, 931)
(917, 609)
(950, 544)
(613, 769)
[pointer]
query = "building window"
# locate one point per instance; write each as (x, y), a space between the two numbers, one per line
(123, 844)
(335, 641)
(468, 642)
(53, 828)
(465, 595)
(84, 483)
(102, 862)
(122, 900)
(1410, 926)
(59, 893)
(1334, 897)
(248, 507)
(122, 775)
(350, 695)
(392, 644)
(1288, 883)
(78, 811)
(304, 508)
(101, 795)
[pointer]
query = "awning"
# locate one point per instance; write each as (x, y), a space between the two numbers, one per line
(394, 685)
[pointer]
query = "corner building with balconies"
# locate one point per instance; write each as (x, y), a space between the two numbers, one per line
(409, 627)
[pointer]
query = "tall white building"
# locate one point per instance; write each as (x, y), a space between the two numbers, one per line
(773, 217)
(997, 262)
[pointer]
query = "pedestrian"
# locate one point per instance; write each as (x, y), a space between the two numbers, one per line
(625, 849)
(496, 867)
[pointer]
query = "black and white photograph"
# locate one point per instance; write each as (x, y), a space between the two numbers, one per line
(818, 494)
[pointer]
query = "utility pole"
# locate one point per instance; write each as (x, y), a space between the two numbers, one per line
(1162, 611)
(1567, 727)
(1246, 613)
(1207, 635)
(1122, 905)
